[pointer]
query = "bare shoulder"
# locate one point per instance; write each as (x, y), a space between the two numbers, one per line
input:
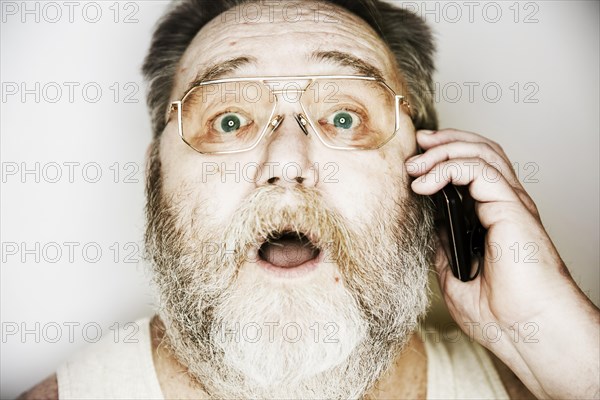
(45, 390)
(513, 385)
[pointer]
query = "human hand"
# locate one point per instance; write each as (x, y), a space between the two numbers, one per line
(524, 306)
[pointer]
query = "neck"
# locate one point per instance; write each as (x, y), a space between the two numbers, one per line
(407, 377)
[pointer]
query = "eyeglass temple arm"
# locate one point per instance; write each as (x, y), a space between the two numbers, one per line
(176, 105)
(401, 101)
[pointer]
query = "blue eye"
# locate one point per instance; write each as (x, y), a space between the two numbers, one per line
(344, 120)
(230, 122)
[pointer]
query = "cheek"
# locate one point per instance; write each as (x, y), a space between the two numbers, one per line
(402, 146)
(404, 142)
(176, 164)
(209, 188)
(363, 184)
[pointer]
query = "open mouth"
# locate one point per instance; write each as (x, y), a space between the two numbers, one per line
(288, 249)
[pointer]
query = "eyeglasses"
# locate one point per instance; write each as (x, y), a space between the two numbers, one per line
(232, 115)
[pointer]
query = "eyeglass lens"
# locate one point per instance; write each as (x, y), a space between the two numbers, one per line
(231, 116)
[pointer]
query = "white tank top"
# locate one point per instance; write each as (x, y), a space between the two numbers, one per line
(458, 368)
(113, 369)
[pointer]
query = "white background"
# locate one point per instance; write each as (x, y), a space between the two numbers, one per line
(554, 58)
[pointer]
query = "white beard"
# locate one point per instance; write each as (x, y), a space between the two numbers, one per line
(281, 335)
(351, 329)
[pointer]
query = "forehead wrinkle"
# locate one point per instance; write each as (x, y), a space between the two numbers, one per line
(274, 31)
(348, 26)
(367, 50)
(218, 38)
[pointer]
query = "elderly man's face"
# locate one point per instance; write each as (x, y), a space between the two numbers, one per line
(287, 318)
(351, 181)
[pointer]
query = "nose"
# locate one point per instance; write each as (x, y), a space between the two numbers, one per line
(286, 160)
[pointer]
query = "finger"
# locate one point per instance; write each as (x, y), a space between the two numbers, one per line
(486, 184)
(452, 288)
(442, 265)
(428, 139)
(423, 163)
(443, 148)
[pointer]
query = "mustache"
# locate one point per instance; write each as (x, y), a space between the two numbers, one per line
(270, 211)
(267, 211)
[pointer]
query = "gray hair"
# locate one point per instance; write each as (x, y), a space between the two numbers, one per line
(405, 33)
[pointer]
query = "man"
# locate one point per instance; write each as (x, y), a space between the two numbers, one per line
(282, 280)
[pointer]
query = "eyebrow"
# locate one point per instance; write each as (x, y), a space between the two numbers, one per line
(217, 71)
(348, 60)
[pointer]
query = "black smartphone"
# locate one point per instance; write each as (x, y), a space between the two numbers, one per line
(455, 212)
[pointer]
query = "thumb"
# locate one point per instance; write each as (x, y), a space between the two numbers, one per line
(442, 263)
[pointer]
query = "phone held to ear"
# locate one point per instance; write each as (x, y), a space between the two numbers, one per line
(455, 212)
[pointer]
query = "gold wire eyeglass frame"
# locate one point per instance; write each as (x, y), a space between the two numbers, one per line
(303, 119)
